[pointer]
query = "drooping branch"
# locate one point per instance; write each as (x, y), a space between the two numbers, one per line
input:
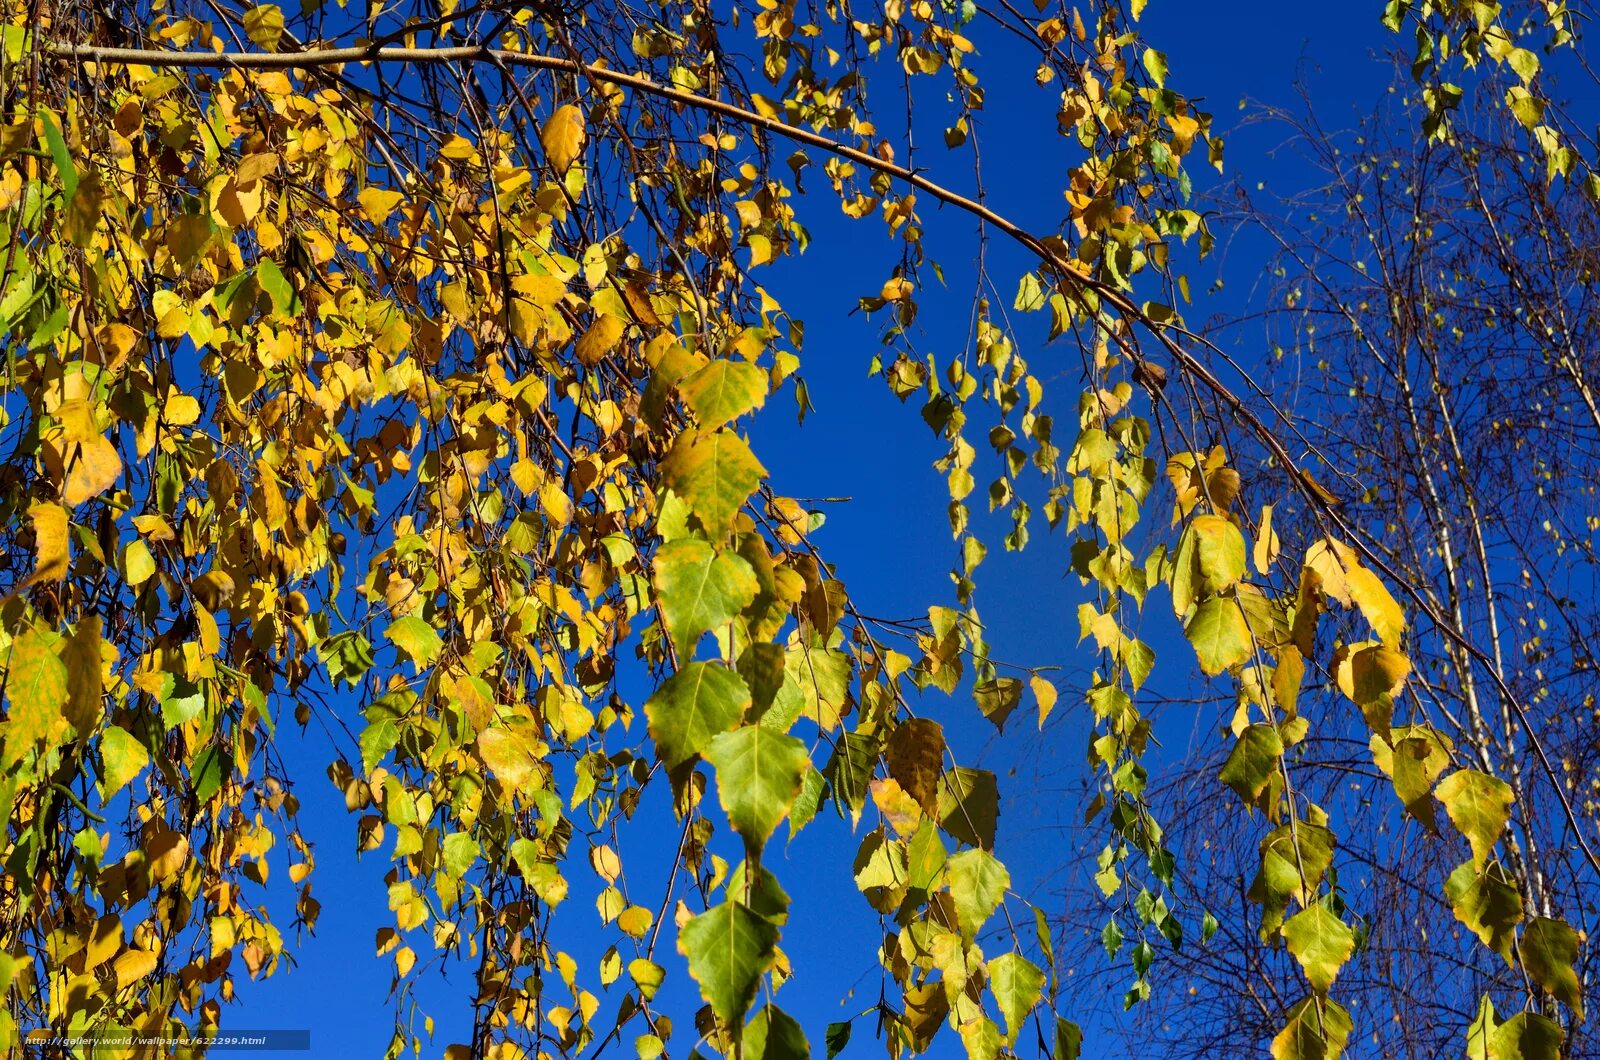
(1090, 289)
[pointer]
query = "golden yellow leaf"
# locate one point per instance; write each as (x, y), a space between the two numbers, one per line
(50, 548)
(133, 966)
(378, 203)
(600, 339)
(562, 137)
(104, 941)
(89, 464)
(167, 853)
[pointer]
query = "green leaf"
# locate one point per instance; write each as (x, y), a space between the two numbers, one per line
(700, 588)
(1321, 942)
(271, 279)
(715, 473)
(1317, 1030)
(724, 390)
(122, 758)
(978, 883)
(1069, 1040)
(347, 655)
(1219, 634)
(1549, 949)
(206, 772)
(1017, 984)
(806, 803)
(1252, 762)
(417, 639)
(377, 740)
(837, 1036)
(1487, 904)
(969, 806)
(702, 700)
(184, 702)
(59, 153)
(759, 773)
(728, 948)
(1479, 806)
(774, 1035)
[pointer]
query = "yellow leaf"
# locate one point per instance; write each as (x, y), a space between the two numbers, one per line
(635, 921)
(89, 462)
(133, 966)
(80, 653)
(600, 339)
(49, 542)
(378, 203)
(167, 853)
(562, 137)
(897, 290)
(181, 410)
(1266, 550)
(606, 863)
(104, 942)
(36, 688)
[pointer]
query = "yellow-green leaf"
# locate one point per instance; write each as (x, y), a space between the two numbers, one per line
(724, 390)
(1321, 942)
(728, 947)
(36, 686)
(758, 777)
(1318, 1029)
(1549, 950)
(715, 473)
(700, 588)
(122, 757)
(1479, 806)
(1219, 634)
(700, 701)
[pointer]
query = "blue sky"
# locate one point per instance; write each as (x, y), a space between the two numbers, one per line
(891, 543)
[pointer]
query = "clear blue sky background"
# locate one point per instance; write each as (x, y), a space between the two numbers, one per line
(891, 544)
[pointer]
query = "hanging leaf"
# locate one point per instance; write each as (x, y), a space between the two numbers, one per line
(715, 473)
(700, 589)
(1487, 903)
(1252, 762)
(1219, 635)
(1479, 806)
(562, 137)
(1321, 942)
(978, 883)
(700, 701)
(772, 1034)
(759, 774)
(1317, 1030)
(729, 947)
(1549, 951)
(724, 390)
(1017, 984)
